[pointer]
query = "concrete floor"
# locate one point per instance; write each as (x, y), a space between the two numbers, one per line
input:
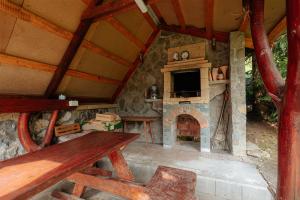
(220, 176)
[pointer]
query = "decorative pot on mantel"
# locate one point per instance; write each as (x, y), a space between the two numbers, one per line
(224, 70)
(214, 73)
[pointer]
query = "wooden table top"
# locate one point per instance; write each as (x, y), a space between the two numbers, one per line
(26, 175)
(138, 118)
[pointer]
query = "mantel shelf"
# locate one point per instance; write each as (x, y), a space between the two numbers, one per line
(152, 100)
(219, 82)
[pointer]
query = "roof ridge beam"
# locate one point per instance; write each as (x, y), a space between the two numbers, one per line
(125, 32)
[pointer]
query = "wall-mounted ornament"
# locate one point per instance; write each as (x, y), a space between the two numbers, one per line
(185, 55)
(176, 56)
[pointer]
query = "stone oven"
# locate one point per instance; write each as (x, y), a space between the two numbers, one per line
(190, 99)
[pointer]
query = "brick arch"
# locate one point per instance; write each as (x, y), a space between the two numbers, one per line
(188, 110)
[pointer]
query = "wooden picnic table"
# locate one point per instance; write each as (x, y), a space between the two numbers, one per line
(29, 174)
(146, 121)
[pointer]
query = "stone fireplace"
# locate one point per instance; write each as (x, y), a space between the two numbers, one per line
(191, 98)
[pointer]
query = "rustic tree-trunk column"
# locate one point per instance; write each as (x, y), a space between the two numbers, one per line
(289, 125)
(267, 68)
(287, 98)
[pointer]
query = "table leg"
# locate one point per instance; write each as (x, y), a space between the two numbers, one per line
(150, 132)
(120, 165)
(145, 131)
(78, 190)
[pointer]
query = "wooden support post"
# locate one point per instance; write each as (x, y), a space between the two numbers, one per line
(285, 96)
(289, 125)
(120, 165)
(50, 130)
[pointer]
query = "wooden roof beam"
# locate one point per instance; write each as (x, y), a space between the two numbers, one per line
(158, 14)
(30, 64)
(278, 29)
(111, 8)
(273, 35)
(19, 12)
(245, 23)
(99, 50)
(190, 30)
(178, 12)
(209, 13)
(125, 32)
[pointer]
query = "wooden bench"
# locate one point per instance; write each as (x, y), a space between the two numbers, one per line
(27, 175)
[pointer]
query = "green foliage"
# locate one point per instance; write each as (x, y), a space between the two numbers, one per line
(256, 93)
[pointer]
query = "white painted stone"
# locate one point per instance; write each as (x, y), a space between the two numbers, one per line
(255, 193)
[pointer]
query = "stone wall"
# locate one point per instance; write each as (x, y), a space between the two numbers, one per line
(10, 145)
(131, 100)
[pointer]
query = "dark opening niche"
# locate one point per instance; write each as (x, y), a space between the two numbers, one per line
(186, 83)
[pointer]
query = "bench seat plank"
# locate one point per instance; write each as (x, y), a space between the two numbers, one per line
(26, 175)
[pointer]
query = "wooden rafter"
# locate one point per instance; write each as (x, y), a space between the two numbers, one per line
(277, 31)
(158, 14)
(30, 64)
(150, 21)
(245, 23)
(98, 50)
(69, 54)
(21, 13)
(273, 34)
(209, 13)
(178, 12)
(111, 8)
(190, 30)
(125, 32)
(136, 63)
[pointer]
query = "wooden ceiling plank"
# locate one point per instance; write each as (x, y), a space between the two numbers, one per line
(99, 50)
(31, 64)
(111, 8)
(125, 32)
(194, 31)
(178, 12)
(279, 28)
(136, 63)
(209, 13)
(21, 13)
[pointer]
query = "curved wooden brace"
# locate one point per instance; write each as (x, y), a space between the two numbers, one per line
(24, 134)
(271, 77)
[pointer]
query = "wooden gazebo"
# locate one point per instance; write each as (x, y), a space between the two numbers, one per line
(53, 47)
